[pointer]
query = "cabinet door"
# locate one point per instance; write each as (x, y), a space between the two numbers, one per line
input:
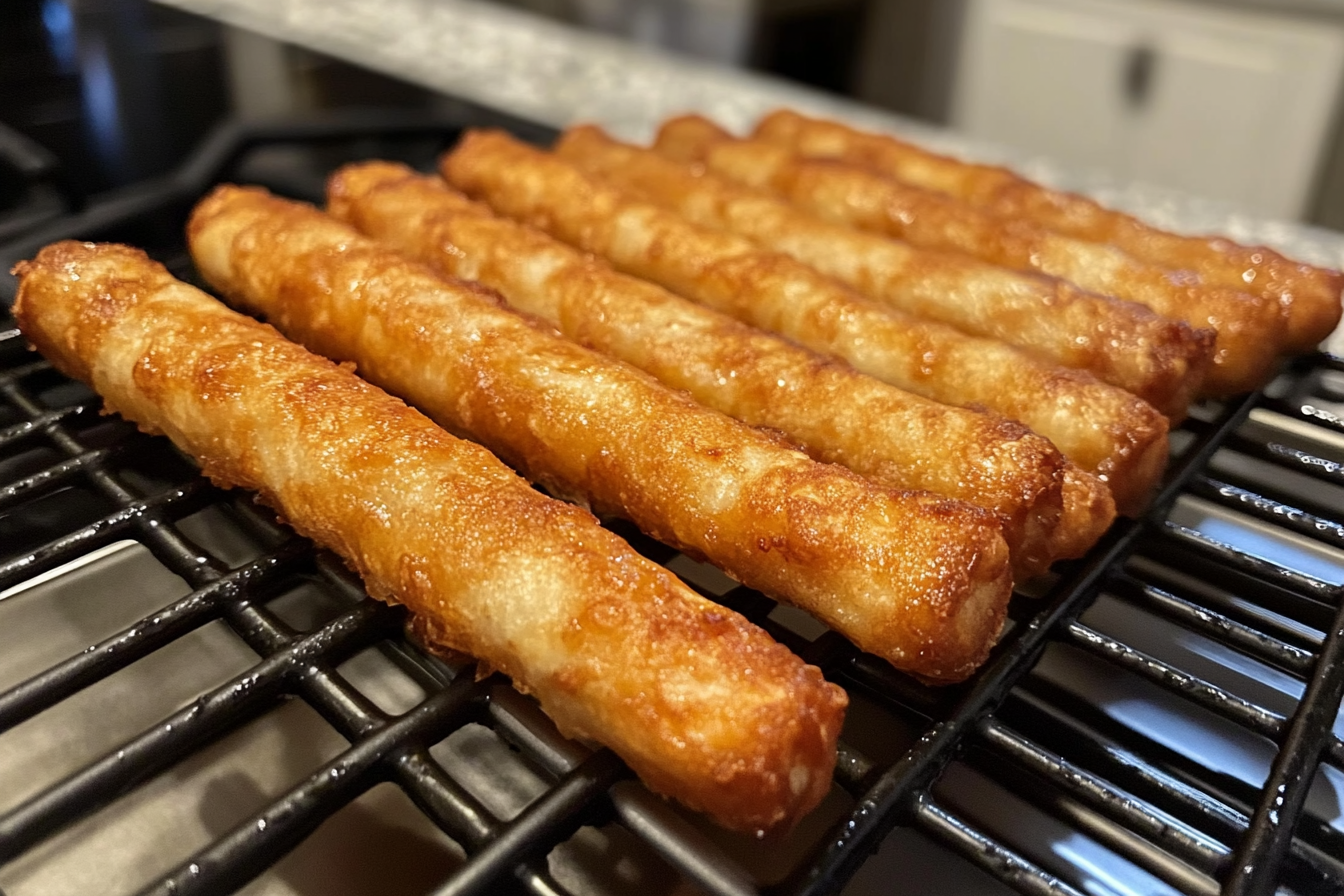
(1227, 104)
(1043, 78)
(1240, 112)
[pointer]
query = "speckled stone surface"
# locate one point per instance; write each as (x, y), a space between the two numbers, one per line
(555, 74)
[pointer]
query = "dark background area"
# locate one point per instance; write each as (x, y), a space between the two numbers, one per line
(114, 91)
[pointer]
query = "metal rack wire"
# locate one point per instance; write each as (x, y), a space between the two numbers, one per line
(71, 485)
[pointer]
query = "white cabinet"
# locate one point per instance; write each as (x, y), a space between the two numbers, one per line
(1229, 104)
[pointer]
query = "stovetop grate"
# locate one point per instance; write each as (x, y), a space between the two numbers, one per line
(72, 484)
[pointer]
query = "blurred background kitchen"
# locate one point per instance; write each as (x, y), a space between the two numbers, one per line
(1236, 100)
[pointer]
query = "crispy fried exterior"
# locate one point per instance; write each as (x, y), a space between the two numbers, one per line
(836, 413)
(1310, 295)
(702, 704)
(1159, 359)
(920, 580)
(1251, 329)
(1104, 430)
(1089, 510)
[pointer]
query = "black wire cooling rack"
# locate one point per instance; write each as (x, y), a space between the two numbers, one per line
(73, 483)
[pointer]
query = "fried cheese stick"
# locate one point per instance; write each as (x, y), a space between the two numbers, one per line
(1251, 329)
(917, 579)
(1310, 295)
(702, 704)
(836, 413)
(1104, 430)
(1122, 343)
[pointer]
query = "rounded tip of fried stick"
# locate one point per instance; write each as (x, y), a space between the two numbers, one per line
(1161, 360)
(1137, 445)
(970, 624)
(731, 766)
(1311, 302)
(1251, 331)
(81, 325)
(947, 633)
(357, 178)
(1309, 327)
(207, 214)
(473, 137)
(1089, 510)
(575, 142)
(684, 137)
(781, 121)
(1021, 476)
(581, 134)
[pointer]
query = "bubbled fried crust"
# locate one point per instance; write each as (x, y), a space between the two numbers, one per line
(1089, 510)
(909, 576)
(1309, 295)
(1102, 429)
(1251, 329)
(1161, 360)
(834, 412)
(702, 704)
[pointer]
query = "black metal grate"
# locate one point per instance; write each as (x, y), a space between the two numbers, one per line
(30, 192)
(72, 484)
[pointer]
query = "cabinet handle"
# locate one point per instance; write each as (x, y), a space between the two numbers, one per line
(1138, 80)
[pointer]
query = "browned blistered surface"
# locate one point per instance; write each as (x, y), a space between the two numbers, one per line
(920, 580)
(1310, 295)
(1159, 359)
(836, 413)
(1089, 508)
(1251, 329)
(702, 704)
(1103, 429)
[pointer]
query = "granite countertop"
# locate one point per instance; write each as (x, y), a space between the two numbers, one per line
(558, 75)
